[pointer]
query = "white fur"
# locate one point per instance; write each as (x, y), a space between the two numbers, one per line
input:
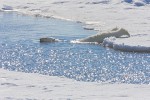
(116, 32)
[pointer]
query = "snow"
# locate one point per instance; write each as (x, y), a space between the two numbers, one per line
(125, 44)
(25, 86)
(100, 15)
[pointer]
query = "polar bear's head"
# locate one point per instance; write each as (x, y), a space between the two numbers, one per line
(119, 32)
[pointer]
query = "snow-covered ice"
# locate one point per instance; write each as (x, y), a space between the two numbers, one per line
(24, 86)
(125, 44)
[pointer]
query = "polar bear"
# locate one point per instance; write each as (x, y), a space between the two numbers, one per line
(115, 32)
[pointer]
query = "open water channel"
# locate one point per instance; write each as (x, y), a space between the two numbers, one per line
(20, 50)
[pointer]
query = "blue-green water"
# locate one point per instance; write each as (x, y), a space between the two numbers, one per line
(20, 50)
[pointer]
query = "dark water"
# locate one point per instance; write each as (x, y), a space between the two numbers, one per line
(20, 50)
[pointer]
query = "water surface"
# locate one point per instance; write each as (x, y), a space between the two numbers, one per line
(20, 50)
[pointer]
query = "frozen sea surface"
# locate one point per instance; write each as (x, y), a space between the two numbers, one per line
(20, 50)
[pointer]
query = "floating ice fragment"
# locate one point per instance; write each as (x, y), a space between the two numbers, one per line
(138, 4)
(125, 45)
(129, 48)
(50, 40)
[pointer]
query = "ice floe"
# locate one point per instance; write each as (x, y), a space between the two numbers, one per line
(132, 44)
(48, 40)
(25, 86)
